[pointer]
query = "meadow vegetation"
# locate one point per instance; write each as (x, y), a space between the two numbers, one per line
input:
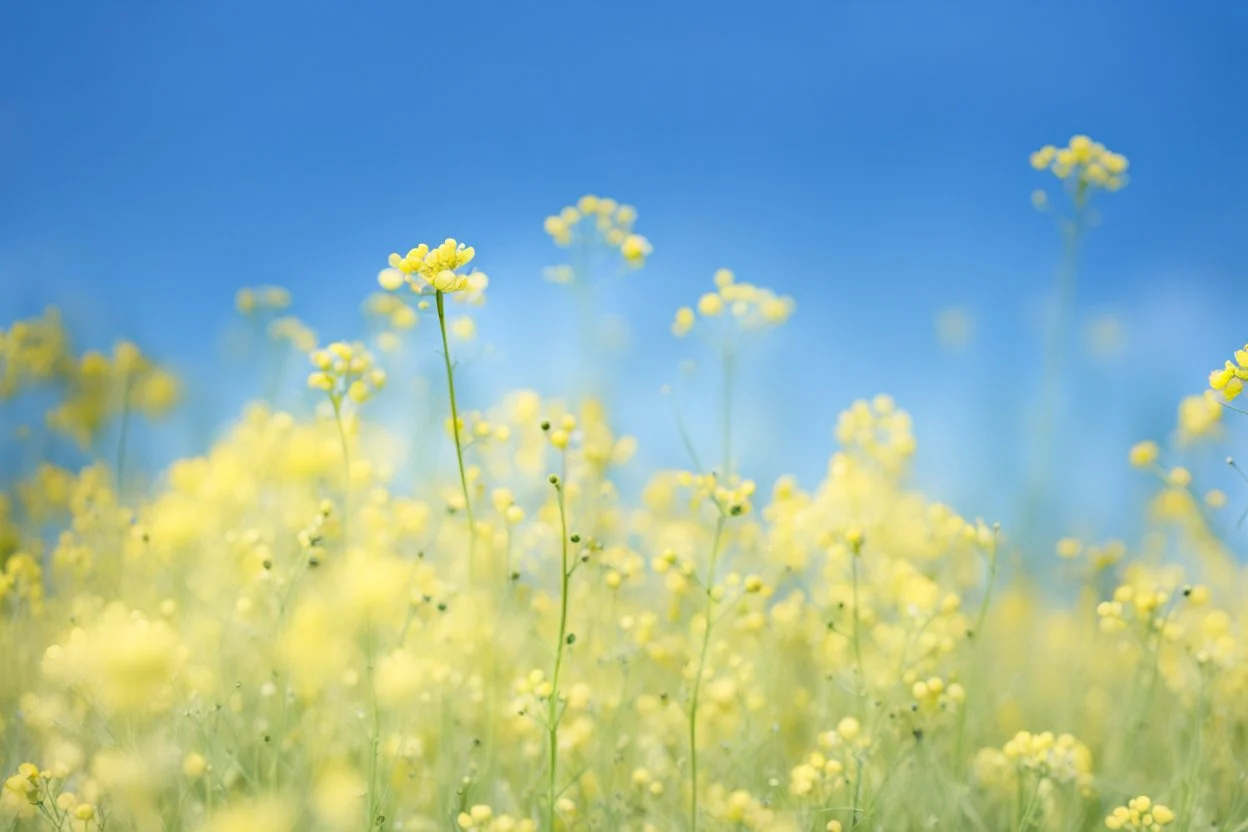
(279, 634)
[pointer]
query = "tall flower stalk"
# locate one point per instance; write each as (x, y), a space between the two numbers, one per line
(346, 373)
(708, 616)
(723, 315)
(438, 268)
(459, 445)
(1084, 167)
(553, 714)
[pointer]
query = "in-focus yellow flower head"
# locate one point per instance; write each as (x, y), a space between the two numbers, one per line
(438, 268)
(1229, 380)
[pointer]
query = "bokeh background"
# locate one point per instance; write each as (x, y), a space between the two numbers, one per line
(869, 159)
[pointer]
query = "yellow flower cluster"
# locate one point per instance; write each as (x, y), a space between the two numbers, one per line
(1060, 759)
(1144, 602)
(437, 268)
(98, 387)
(42, 789)
(1083, 164)
(879, 431)
(482, 817)
(22, 580)
(32, 352)
(747, 305)
(124, 661)
(103, 387)
(824, 771)
(731, 495)
(346, 370)
(1140, 814)
(1229, 381)
(258, 300)
(599, 218)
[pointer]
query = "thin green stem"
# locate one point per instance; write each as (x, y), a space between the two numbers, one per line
(1154, 671)
(1054, 355)
(729, 370)
(552, 709)
(854, 555)
(976, 634)
(1191, 779)
(708, 616)
(685, 438)
(124, 431)
(855, 814)
(459, 448)
(336, 401)
(374, 798)
(1019, 788)
(1026, 812)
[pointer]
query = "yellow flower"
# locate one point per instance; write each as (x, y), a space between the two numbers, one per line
(1069, 547)
(194, 765)
(684, 322)
(437, 267)
(346, 372)
(710, 305)
(1083, 164)
(1144, 454)
(1229, 380)
(635, 249)
(1199, 417)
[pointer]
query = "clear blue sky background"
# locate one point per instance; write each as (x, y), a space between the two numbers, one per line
(869, 158)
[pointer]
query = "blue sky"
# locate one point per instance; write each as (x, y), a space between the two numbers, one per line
(867, 158)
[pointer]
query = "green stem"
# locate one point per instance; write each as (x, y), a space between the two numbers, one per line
(1053, 361)
(336, 401)
(1025, 813)
(1153, 672)
(375, 740)
(697, 679)
(1196, 757)
(552, 710)
(854, 813)
(459, 448)
(124, 433)
(1018, 799)
(855, 553)
(685, 438)
(976, 635)
(729, 367)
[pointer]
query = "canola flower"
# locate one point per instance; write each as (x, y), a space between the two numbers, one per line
(96, 390)
(1140, 813)
(1229, 379)
(1084, 166)
(596, 219)
(284, 632)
